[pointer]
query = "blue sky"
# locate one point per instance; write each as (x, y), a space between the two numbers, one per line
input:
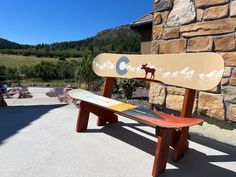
(47, 21)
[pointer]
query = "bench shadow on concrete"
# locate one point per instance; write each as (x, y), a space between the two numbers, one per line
(14, 118)
(194, 164)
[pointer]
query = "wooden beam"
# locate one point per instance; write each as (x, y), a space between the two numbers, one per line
(83, 116)
(188, 103)
(108, 87)
(182, 135)
(106, 92)
(162, 150)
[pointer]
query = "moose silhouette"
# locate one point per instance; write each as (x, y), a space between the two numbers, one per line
(149, 70)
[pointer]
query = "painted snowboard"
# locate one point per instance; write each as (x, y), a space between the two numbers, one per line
(200, 71)
(137, 113)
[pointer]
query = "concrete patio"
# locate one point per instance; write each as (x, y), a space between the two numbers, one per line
(38, 138)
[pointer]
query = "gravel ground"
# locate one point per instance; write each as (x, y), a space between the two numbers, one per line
(139, 98)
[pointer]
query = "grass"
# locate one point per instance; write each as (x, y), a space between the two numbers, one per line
(19, 60)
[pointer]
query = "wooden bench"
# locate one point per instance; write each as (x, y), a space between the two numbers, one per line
(171, 131)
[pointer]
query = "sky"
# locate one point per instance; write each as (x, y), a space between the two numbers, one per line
(48, 21)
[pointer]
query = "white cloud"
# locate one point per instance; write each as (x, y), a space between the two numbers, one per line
(166, 74)
(185, 70)
(175, 74)
(106, 65)
(210, 75)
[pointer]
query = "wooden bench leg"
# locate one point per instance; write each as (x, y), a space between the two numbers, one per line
(83, 116)
(110, 118)
(182, 135)
(104, 115)
(162, 150)
(181, 144)
(100, 121)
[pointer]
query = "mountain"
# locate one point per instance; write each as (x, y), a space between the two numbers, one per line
(116, 40)
(5, 44)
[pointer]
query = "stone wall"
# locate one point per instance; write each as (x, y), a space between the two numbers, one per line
(146, 47)
(181, 26)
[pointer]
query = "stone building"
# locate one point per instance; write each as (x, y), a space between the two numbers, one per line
(144, 26)
(185, 26)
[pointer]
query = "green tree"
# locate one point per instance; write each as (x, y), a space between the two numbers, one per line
(84, 71)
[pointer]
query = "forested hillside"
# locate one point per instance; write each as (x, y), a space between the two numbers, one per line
(117, 40)
(5, 44)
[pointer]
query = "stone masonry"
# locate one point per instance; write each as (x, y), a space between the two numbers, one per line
(197, 26)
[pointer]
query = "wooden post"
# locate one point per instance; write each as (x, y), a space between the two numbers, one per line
(107, 92)
(108, 87)
(182, 135)
(83, 116)
(188, 103)
(162, 150)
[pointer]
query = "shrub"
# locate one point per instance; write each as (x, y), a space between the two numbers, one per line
(2, 72)
(127, 87)
(66, 69)
(116, 86)
(61, 58)
(39, 55)
(46, 70)
(12, 74)
(27, 71)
